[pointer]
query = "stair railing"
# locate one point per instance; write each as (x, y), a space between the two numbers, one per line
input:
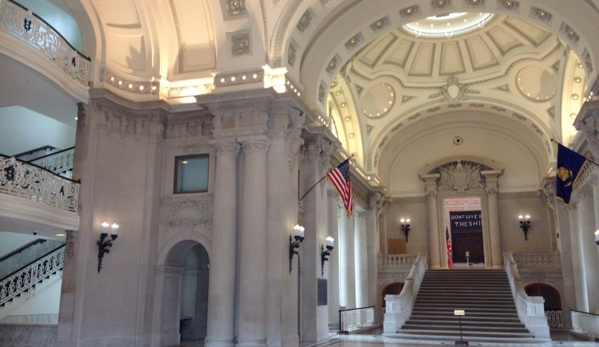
(586, 323)
(32, 182)
(399, 307)
(28, 276)
(58, 162)
(531, 309)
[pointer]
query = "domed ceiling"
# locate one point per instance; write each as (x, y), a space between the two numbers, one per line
(510, 74)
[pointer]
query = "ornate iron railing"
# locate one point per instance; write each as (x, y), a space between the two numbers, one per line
(26, 26)
(554, 319)
(27, 277)
(356, 318)
(58, 162)
(35, 183)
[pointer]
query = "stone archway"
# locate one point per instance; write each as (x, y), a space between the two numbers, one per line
(182, 293)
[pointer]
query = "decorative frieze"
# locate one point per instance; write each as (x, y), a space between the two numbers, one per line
(189, 213)
(126, 122)
(239, 78)
(137, 87)
(241, 118)
(291, 55)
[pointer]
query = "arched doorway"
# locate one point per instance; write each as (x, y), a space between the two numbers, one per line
(553, 302)
(183, 286)
(390, 289)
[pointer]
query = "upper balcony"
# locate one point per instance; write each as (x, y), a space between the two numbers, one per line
(33, 194)
(31, 41)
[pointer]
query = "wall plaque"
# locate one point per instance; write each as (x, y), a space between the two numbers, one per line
(322, 292)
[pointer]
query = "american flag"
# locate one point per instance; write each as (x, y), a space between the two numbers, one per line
(339, 177)
(449, 249)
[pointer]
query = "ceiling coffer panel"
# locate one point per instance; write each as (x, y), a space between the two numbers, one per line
(422, 65)
(452, 61)
(503, 39)
(196, 37)
(480, 53)
(373, 52)
(131, 51)
(399, 53)
(125, 17)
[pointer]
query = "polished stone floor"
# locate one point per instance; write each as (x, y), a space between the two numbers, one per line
(373, 338)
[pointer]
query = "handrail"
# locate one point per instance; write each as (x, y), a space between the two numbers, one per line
(50, 25)
(50, 154)
(22, 248)
(46, 147)
(531, 309)
(357, 324)
(19, 22)
(399, 307)
(583, 312)
(57, 162)
(585, 323)
(41, 168)
(32, 182)
(33, 261)
(31, 274)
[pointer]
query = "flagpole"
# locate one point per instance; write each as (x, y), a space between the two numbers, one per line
(325, 176)
(590, 161)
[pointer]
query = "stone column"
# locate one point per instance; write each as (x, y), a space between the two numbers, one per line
(493, 214)
(361, 259)
(347, 275)
(589, 247)
(372, 240)
(333, 268)
(582, 303)
(436, 260)
(221, 291)
(252, 240)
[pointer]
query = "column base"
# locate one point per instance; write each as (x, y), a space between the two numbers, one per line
(219, 343)
(251, 344)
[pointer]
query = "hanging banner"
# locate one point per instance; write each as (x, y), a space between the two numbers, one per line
(465, 220)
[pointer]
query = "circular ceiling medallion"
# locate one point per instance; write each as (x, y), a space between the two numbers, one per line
(536, 83)
(458, 140)
(378, 100)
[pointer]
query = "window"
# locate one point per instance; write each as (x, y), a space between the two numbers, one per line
(191, 174)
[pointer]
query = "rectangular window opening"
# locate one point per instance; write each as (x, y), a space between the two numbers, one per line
(191, 174)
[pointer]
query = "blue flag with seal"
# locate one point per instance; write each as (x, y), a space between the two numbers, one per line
(569, 166)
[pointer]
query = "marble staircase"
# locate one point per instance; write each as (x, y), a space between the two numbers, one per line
(484, 295)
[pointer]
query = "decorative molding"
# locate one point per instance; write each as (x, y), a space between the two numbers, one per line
(235, 8)
(239, 78)
(332, 65)
(440, 4)
(460, 176)
(541, 14)
(409, 11)
(305, 21)
(293, 139)
(240, 43)
(137, 87)
(71, 243)
(291, 55)
(510, 5)
(380, 24)
(189, 213)
(354, 41)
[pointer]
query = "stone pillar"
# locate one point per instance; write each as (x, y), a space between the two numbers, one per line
(347, 274)
(333, 268)
(493, 214)
(372, 240)
(565, 242)
(436, 254)
(582, 303)
(314, 318)
(361, 259)
(252, 240)
(221, 291)
(589, 254)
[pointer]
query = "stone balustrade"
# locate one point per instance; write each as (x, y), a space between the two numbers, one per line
(396, 262)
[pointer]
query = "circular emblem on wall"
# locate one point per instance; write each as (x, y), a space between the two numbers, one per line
(458, 140)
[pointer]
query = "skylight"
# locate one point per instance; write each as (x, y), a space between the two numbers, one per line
(448, 25)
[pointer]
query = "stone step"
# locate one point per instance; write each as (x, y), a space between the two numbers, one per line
(468, 333)
(466, 327)
(464, 322)
(456, 337)
(500, 317)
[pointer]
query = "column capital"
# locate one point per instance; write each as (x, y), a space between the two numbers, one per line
(255, 144)
(222, 147)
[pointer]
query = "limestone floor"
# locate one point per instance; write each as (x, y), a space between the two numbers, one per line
(373, 338)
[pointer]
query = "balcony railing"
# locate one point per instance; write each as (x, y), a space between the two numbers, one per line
(61, 163)
(396, 262)
(535, 260)
(19, 22)
(356, 318)
(35, 183)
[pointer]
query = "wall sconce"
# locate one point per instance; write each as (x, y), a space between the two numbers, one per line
(104, 246)
(405, 227)
(324, 255)
(298, 235)
(597, 237)
(525, 225)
